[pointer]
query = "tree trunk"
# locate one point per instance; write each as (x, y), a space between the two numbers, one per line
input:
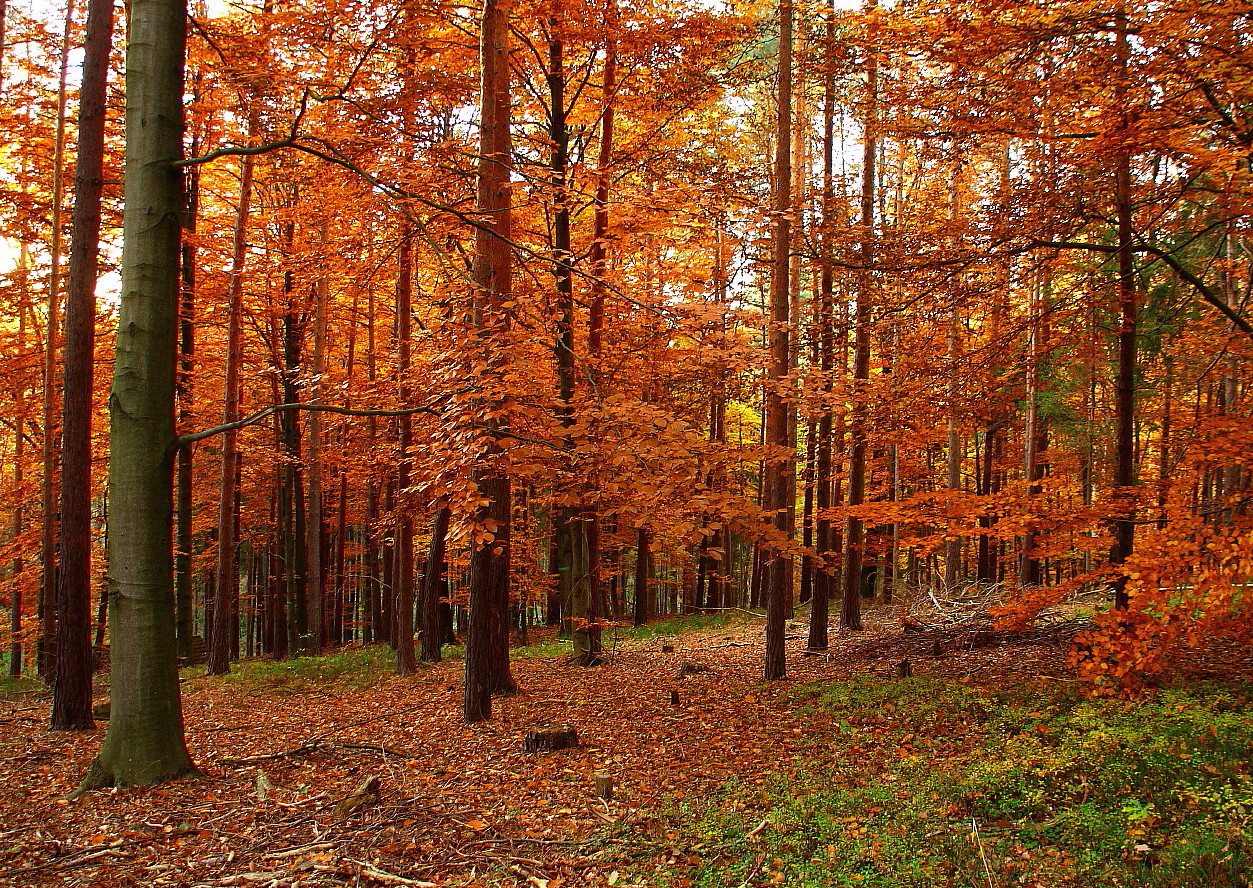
(819, 610)
(51, 396)
(294, 549)
(1125, 393)
(19, 511)
(405, 664)
(71, 692)
(144, 743)
(435, 587)
(487, 638)
(854, 541)
(643, 571)
(775, 586)
(184, 610)
(315, 534)
(225, 628)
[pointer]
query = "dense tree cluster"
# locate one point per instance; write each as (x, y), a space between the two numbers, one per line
(575, 310)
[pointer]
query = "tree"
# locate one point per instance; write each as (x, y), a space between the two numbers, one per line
(487, 641)
(71, 696)
(144, 743)
(779, 477)
(854, 534)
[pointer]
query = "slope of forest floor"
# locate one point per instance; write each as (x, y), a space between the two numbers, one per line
(985, 767)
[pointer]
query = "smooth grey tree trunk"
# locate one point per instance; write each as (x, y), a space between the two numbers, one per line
(145, 742)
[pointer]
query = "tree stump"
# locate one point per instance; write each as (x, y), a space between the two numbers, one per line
(903, 669)
(550, 739)
(604, 786)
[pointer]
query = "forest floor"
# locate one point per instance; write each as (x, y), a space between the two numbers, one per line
(983, 768)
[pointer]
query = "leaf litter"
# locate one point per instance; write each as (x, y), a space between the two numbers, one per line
(385, 785)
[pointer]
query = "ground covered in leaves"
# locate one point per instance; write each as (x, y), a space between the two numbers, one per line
(983, 766)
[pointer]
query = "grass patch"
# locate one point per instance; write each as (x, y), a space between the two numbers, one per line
(12, 688)
(349, 667)
(1063, 790)
(680, 625)
(615, 636)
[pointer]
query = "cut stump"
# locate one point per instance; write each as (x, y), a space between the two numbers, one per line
(604, 786)
(550, 739)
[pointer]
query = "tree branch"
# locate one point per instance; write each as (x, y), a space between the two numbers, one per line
(254, 418)
(1203, 290)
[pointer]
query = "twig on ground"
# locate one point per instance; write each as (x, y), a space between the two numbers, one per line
(979, 840)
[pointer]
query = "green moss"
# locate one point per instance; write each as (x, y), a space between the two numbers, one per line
(355, 667)
(929, 782)
(11, 688)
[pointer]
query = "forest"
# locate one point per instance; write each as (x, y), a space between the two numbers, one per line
(590, 442)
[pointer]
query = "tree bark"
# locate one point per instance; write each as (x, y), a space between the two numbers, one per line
(854, 536)
(144, 743)
(487, 638)
(779, 473)
(184, 609)
(71, 692)
(405, 663)
(1123, 497)
(19, 485)
(226, 585)
(643, 570)
(819, 610)
(435, 587)
(51, 395)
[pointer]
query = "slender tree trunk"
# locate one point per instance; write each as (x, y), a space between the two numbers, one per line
(643, 570)
(854, 536)
(775, 586)
(1125, 393)
(144, 743)
(294, 551)
(405, 664)
(19, 491)
(574, 569)
(953, 548)
(374, 629)
(226, 586)
(184, 609)
(1035, 428)
(315, 535)
(51, 394)
(71, 692)
(435, 587)
(819, 611)
(487, 639)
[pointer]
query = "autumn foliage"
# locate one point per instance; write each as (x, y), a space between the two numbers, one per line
(631, 405)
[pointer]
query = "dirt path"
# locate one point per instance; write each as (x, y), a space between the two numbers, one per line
(459, 805)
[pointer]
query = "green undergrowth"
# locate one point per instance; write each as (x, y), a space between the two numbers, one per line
(616, 636)
(13, 688)
(359, 667)
(355, 667)
(681, 625)
(925, 782)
